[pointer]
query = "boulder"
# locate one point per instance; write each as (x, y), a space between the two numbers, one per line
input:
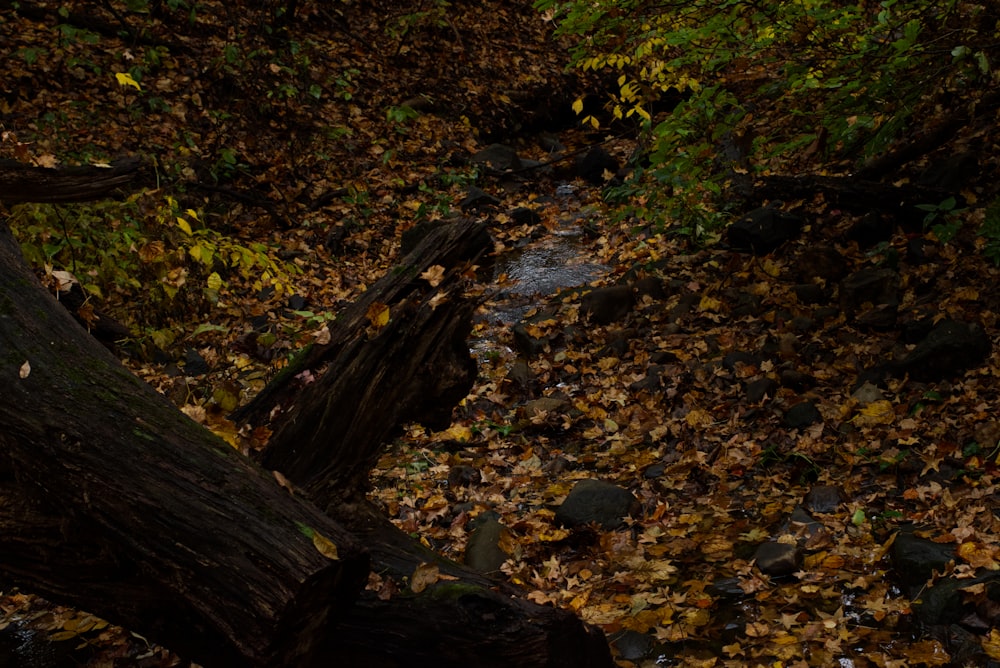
(596, 502)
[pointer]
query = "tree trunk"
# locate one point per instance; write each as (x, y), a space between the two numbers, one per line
(114, 501)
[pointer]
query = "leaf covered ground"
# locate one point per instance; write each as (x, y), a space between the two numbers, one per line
(315, 152)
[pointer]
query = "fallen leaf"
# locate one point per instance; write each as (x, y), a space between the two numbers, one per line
(425, 575)
(325, 546)
(25, 370)
(434, 275)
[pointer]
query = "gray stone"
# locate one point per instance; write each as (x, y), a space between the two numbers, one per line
(498, 156)
(948, 350)
(824, 499)
(608, 304)
(777, 558)
(483, 552)
(596, 501)
(915, 559)
(802, 415)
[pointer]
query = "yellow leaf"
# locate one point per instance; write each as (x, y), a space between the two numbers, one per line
(771, 268)
(991, 645)
(877, 412)
(578, 105)
(709, 304)
(325, 546)
(698, 418)
(184, 225)
(456, 432)
(125, 79)
(214, 281)
(378, 315)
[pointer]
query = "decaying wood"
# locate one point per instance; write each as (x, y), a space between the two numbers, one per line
(414, 367)
(24, 183)
(113, 501)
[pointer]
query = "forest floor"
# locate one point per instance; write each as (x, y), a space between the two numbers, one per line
(316, 169)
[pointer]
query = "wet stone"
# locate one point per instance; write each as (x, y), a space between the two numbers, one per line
(824, 499)
(802, 415)
(608, 304)
(777, 558)
(758, 389)
(483, 552)
(598, 502)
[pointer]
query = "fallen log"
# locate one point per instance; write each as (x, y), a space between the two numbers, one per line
(25, 183)
(113, 501)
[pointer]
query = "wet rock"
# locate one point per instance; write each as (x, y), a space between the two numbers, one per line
(520, 374)
(881, 317)
(796, 380)
(525, 216)
(652, 382)
(684, 306)
(727, 588)
(654, 470)
(632, 645)
(608, 304)
(477, 198)
(802, 415)
(943, 603)
(763, 230)
(777, 559)
(194, 363)
(806, 530)
(595, 165)
(872, 285)
(758, 389)
(824, 499)
(483, 552)
(596, 501)
(550, 143)
(867, 394)
(948, 350)
(915, 559)
(525, 343)
(498, 156)
(543, 406)
(652, 287)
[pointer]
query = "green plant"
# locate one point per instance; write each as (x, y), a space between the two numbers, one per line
(943, 219)
(719, 89)
(989, 231)
(144, 252)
